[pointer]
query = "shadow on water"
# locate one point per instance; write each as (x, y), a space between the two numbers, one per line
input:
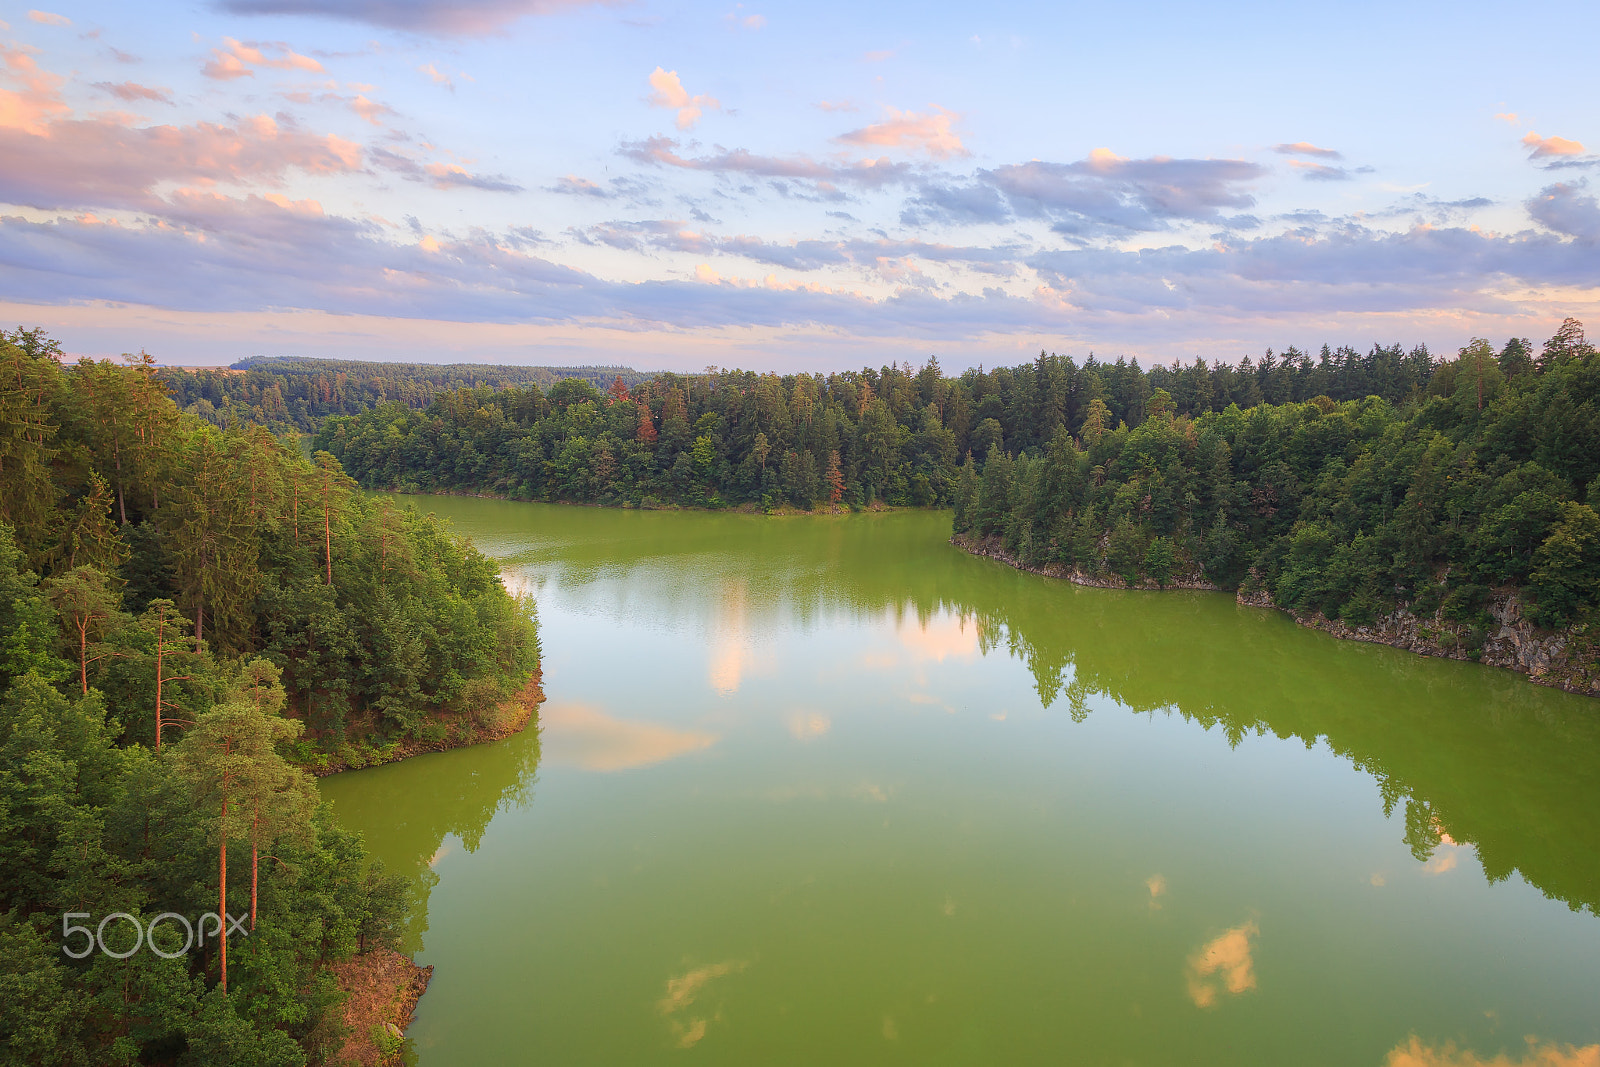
(416, 814)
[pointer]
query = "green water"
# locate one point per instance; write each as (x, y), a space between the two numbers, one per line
(830, 791)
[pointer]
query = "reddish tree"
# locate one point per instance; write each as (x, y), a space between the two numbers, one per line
(835, 479)
(619, 391)
(647, 427)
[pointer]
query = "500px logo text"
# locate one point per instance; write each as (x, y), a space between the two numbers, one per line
(144, 934)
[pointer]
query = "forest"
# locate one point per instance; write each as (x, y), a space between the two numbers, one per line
(891, 436)
(295, 393)
(1489, 478)
(190, 619)
(1343, 483)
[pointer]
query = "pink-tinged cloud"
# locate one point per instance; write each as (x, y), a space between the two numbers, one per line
(236, 60)
(47, 18)
(102, 163)
(469, 18)
(1305, 148)
(370, 110)
(906, 130)
(133, 92)
(668, 92)
(1546, 147)
(225, 66)
(438, 76)
(832, 106)
(34, 99)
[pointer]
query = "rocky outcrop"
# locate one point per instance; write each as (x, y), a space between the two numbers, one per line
(1564, 659)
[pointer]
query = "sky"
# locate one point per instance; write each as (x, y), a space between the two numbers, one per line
(790, 186)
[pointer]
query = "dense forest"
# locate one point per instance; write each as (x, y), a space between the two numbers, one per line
(892, 436)
(292, 393)
(1487, 478)
(188, 618)
(1341, 483)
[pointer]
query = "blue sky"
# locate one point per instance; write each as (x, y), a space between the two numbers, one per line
(791, 186)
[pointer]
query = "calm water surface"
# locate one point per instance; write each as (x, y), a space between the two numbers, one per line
(830, 791)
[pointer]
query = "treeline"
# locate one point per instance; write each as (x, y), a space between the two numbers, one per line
(894, 435)
(1343, 506)
(187, 617)
(289, 393)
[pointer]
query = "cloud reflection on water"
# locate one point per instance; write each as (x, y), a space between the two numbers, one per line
(581, 736)
(1539, 1054)
(1223, 964)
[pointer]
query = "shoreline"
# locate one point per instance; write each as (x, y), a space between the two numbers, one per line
(461, 733)
(1563, 659)
(747, 508)
(383, 986)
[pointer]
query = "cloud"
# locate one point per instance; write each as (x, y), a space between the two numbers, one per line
(1345, 268)
(1414, 1053)
(879, 56)
(1107, 194)
(670, 93)
(468, 18)
(1508, 116)
(238, 57)
(1547, 147)
(34, 102)
(869, 173)
(438, 76)
(930, 133)
(831, 106)
(806, 255)
(1566, 209)
(441, 175)
(133, 91)
(572, 185)
(48, 19)
(103, 163)
(1223, 964)
(370, 110)
(1319, 172)
(1304, 148)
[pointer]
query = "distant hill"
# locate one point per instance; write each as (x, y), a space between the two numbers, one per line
(295, 393)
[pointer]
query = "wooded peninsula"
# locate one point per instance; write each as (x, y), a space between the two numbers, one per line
(191, 619)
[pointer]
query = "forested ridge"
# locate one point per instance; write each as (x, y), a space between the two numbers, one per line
(1341, 483)
(894, 435)
(295, 393)
(189, 617)
(1487, 479)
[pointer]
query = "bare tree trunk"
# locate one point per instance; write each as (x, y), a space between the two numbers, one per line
(222, 892)
(255, 825)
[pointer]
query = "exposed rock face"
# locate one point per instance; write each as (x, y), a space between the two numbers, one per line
(1565, 659)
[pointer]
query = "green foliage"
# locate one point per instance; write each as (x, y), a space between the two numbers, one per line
(150, 561)
(1451, 481)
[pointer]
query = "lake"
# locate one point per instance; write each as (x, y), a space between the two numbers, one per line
(817, 790)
